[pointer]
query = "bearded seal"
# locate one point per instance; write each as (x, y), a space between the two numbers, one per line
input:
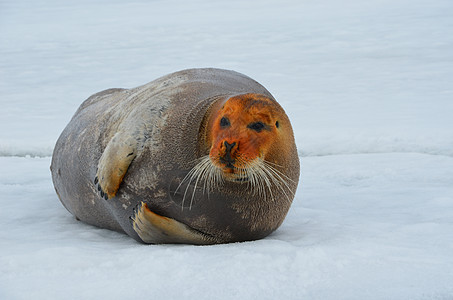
(200, 156)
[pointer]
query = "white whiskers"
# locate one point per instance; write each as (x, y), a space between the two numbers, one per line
(261, 177)
(264, 178)
(204, 171)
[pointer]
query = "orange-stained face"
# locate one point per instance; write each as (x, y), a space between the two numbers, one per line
(242, 130)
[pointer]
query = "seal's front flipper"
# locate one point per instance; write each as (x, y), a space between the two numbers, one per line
(156, 229)
(114, 162)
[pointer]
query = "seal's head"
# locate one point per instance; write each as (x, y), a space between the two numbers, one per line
(248, 134)
(248, 147)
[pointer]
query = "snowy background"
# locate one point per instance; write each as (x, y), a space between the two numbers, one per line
(368, 86)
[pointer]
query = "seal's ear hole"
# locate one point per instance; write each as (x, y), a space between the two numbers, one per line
(277, 124)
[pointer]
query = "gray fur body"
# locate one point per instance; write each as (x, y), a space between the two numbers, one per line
(162, 120)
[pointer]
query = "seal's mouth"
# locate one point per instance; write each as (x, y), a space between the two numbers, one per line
(242, 179)
(235, 175)
(232, 173)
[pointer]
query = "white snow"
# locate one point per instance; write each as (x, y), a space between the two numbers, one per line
(368, 86)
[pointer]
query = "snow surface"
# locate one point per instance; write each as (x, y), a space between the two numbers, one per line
(368, 86)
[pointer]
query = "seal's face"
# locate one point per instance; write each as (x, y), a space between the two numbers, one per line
(242, 134)
(250, 141)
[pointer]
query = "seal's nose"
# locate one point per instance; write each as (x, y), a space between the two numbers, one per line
(228, 146)
(227, 159)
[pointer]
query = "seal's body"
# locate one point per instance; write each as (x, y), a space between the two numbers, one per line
(199, 156)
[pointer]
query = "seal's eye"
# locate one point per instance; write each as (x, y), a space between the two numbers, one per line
(257, 126)
(224, 122)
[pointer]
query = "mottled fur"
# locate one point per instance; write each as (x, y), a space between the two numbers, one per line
(135, 147)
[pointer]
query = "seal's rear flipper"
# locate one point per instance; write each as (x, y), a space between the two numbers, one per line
(114, 162)
(156, 229)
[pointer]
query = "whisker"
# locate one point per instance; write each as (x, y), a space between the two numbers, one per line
(195, 172)
(279, 175)
(271, 165)
(195, 187)
(262, 178)
(280, 182)
(266, 183)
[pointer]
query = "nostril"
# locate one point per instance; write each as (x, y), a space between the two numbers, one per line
(227, 158)
(228, 146)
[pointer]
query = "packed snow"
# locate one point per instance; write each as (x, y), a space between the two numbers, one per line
(368, 86)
